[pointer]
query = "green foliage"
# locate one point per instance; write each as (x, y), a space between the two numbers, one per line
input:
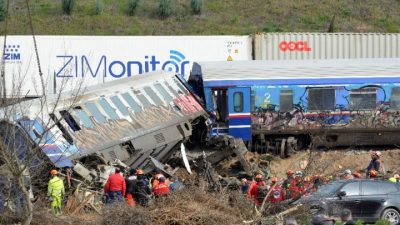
(67, 6)
(359, 222)
(197, 6)
(382, 222)
(270, 27)
(3, 10)
(98, 7)
(132, 6)
(165, 9)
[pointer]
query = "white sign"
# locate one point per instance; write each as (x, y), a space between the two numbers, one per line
(92, 60)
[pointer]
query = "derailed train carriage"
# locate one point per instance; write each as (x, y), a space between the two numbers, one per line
(281, 106)
(125, 122)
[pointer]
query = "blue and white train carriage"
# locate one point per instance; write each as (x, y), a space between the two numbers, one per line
(279, 105)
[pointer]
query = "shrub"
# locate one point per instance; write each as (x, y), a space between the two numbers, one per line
(132, 6)
(98, 8)
(196, 6)
(67, 6)
(3, 10)
(165, 9)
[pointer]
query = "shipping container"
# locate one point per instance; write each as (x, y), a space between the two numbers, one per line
(298, 46)
(91, 60)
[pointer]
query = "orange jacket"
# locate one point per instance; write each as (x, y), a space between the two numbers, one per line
(161, 189)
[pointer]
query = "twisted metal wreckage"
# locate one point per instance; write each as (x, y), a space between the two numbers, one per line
(136, 122)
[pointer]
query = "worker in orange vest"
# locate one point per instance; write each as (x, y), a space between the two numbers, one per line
(161, 188)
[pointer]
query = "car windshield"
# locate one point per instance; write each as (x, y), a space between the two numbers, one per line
(329, 188)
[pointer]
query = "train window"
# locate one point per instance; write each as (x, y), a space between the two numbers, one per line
(64, 132)
(321, 99)
(180, 86)
(153, 96)
(142, 99)
(70, 120)
(108, 109)
(84, 117)
(286, 100)
(171, 89)
(362, 99)
(167, 97)
(95, 112)
(120, 106)
(395, 98)
(132, 103)
(238, 102)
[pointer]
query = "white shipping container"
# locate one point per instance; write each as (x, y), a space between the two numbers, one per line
(289, 46)
(90, 60)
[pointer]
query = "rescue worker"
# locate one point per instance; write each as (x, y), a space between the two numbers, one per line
(115, 187)
(55, 192)
(157, 174)
(286, 183)
(258, 190)
(141, 189)
(161, 188)
(347, 175)
(130, 187)
(296, 186)
(375, 164)
(277, 194)
(395, 178)
(245, 185)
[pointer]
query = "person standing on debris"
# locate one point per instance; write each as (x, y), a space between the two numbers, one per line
(245, 186)
(286, 183)
(141, 189)
(277, 194)
(130, 187)
(259, 190)
(161, 188)
(375, 165)
(55, 192)
(115, 187)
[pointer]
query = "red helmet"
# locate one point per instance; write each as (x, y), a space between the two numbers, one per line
(274, 180)
(290, 172)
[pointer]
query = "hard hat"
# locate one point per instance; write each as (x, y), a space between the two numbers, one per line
(139, 172)
(244, 180)
(274, 180)
(378, 153)
(347, 172)
(299, 173)
(372, 173)
(290, 172)
(53, 172)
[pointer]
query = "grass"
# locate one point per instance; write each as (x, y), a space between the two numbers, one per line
(236, 17)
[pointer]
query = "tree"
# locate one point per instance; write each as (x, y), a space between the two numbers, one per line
(165, 9)
(132, 6)
(67, 6)
(197, 6)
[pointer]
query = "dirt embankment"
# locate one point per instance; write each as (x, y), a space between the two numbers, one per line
(334, 161)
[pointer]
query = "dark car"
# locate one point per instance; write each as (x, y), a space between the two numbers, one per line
(368, 200)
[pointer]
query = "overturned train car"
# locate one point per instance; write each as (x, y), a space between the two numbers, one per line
(124, 121)
(282, 105)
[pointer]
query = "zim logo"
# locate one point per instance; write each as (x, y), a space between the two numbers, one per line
(11, 53)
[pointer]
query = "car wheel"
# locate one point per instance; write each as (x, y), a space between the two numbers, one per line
(391, 215)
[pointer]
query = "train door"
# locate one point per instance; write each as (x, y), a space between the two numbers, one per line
(239, 112)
